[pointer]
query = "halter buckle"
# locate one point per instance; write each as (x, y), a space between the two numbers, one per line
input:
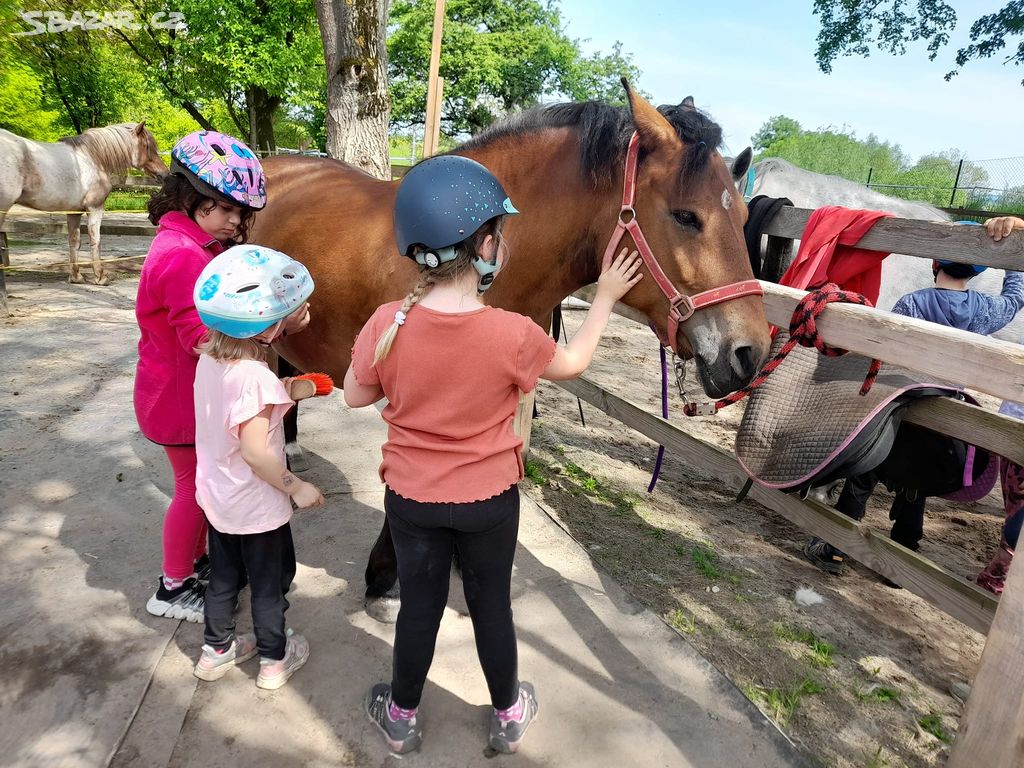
(627, 211)
(686, 303)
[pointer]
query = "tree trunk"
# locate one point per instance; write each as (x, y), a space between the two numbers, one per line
(358, 106)
(260, 106)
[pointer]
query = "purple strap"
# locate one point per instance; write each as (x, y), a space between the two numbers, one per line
(664, 415)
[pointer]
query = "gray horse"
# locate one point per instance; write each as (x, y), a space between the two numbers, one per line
(73, 174)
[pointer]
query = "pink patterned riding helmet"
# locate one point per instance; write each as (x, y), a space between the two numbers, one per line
(221, 167)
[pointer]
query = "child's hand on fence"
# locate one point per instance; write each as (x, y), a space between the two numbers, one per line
(307, 495)
(618, 276)
(1001, 226)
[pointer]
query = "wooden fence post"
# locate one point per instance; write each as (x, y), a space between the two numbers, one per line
(992, 728)
(522, 424)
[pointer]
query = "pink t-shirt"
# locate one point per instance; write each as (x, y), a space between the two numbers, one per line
(227, 394)
(452, 383)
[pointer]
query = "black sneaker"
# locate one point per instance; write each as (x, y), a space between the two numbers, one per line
(401, 735)
(185, 602)
(825, 556)
(202, 568)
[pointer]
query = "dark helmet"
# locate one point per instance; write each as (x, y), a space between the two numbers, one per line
(445, 199)
(957, 269)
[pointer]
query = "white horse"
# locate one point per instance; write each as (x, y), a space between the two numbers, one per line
(73, 174)
(900, 273)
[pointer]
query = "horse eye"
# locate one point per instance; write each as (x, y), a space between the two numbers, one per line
(687, 220)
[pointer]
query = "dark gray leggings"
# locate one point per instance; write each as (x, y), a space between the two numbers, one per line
(426, 535)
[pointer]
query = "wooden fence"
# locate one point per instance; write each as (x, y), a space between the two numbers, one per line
(992, 731)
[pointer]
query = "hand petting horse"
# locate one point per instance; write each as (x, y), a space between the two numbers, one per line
(73, 174)
(566, 168)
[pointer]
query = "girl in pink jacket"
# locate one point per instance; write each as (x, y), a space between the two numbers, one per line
(207, 202)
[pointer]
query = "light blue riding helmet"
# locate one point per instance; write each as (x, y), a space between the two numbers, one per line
(248, 288)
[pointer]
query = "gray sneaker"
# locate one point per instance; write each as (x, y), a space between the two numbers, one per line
(401, 735)
(506, 735)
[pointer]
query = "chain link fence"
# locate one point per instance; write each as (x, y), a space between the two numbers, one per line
(995, 186)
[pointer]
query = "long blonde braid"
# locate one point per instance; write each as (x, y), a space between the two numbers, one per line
(388, 337)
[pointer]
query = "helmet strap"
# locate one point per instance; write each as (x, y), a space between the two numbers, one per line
(436, 257)
(487, 271)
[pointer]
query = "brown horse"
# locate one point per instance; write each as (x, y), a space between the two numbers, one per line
(562, 167)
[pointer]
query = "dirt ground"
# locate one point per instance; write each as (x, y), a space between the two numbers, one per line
(858, 680)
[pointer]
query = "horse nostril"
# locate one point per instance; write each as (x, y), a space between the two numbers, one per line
(744, 362)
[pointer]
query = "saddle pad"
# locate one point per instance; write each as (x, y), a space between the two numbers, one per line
(808, 424)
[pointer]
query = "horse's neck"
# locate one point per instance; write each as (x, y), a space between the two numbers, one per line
(553, 241)
(107, 150)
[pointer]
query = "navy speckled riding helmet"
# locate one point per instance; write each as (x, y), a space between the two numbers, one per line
(445, 199)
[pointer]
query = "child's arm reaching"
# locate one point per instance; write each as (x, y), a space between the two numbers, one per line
(617, 277)
(253, 438)
(358, 395)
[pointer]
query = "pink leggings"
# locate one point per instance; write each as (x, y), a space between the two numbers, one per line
(184, 523)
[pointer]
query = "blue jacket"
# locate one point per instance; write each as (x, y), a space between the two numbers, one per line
(967, 310)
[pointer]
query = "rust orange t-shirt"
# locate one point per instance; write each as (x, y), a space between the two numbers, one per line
(452, 382)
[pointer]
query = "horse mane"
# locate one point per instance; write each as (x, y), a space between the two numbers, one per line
(604, 132)
(110, 146)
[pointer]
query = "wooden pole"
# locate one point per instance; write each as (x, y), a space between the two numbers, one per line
(433, 118)
(992, 728)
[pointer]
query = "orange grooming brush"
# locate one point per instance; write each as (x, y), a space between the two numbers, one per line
(319, 384)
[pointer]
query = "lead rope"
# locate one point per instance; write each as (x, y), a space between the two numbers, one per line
(803, 330)
(664, 414)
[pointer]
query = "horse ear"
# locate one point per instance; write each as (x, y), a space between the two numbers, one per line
(741, 165)
(654, 130)
(687, 103)
(140, 128)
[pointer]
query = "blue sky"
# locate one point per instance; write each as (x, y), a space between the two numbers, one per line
(745, 61)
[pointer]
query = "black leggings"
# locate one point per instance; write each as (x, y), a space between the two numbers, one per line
(907, 514)
(268, 561)
(425, 535)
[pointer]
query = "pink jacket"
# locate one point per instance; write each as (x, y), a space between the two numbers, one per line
(171, 329)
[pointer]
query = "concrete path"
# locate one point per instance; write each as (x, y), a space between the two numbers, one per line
(89, 678)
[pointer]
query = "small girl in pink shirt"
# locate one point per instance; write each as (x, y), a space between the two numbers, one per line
(243, 297)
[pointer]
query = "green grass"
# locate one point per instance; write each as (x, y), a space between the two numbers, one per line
(932, 723)
(877, 694)
(535, 472)
(126, 201)
(623, 503)
(780, 703)
(704, 559)
(685, 624)
(821, 651)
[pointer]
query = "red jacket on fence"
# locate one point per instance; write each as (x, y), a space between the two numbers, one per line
(827, 253)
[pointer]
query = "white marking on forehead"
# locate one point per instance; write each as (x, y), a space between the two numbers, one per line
(726, 199)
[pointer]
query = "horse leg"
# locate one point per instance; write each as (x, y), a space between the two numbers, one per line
(293, 453)
(382, 588)
(95, 218)
(74, 238)
(5, 253)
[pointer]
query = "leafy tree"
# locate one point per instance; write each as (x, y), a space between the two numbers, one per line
(496, 57)
(775, 130)
(850, 28)
(22, 104)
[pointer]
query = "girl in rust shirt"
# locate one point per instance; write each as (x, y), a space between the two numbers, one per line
(452, 369)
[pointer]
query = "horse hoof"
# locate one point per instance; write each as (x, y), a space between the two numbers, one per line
(383, 609)
(103, 280)
(76, 279)
(296, 457)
